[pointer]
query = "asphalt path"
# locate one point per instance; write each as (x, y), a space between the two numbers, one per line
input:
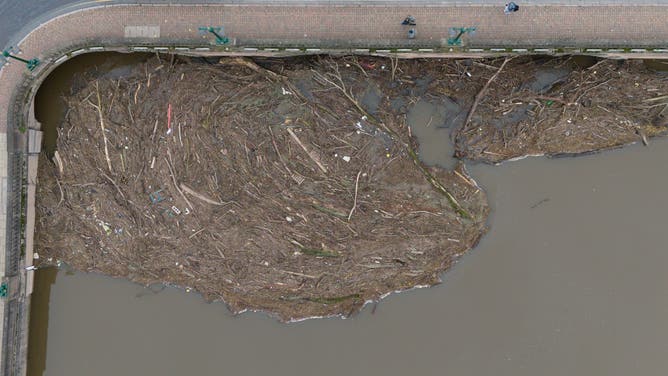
(19, 17)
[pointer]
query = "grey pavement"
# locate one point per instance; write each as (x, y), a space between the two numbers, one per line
(17, 18)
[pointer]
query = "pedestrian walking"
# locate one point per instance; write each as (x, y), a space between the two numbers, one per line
(409, 20)
(511, 7)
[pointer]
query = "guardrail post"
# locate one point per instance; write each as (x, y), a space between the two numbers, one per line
(31, 64)
(456, 34)
(217, 32)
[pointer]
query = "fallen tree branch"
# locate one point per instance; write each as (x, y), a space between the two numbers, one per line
(104, 131)
(191, 192)
(115, 185)
(482, 92)
(62, 193)
(661, 98)
(59, 163)
(176, 185)
(311, 154)
(372, 119)
(248, 63)
(357, 181)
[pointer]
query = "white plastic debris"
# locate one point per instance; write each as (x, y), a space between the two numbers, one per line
(289, 219)
(35, 256)
(285, 92)
(346, 158)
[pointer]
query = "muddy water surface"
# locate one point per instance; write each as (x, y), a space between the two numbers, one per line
(431, 124)
(48, 107)
(571, 279)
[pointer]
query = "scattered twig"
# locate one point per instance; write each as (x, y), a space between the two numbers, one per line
(246, 62)
(137, 92)
(318, 252)
(643, 136)
(62, 193)
(356, 62)
(115, 185)
(663, 97)
(176, 185)
(329, 211)
(104, 131)
(597, 64)
(378, 266)
(59, 163)
(155, 129)
(355, 200)
(485, 65)
(370, 118)
(197, 233)
(299, 274)
(590, 89)
(540, 203)
(395, 62)
(468, 181)
(311, 154)
(191, 192)
(482, 92)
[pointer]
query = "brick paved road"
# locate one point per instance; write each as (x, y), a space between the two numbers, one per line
(360, 25)
(15, 14)
(347, 25)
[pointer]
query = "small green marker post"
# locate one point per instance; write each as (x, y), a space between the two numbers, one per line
(457, 33)
(220, 39)
(31, 64)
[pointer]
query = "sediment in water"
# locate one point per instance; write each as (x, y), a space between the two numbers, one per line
(273, 192)
(557, 109)
(297, 186)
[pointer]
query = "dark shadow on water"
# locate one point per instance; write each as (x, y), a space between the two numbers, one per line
(660, 66)
(39, 320)
(50, 111)
(49, 106)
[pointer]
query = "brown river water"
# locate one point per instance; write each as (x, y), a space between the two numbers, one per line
(570, 280)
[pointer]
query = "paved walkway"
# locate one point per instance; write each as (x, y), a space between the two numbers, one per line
(343, 25)
(320, 24)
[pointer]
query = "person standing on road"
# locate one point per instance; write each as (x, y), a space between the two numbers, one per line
(511, 7)
(409, 20)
